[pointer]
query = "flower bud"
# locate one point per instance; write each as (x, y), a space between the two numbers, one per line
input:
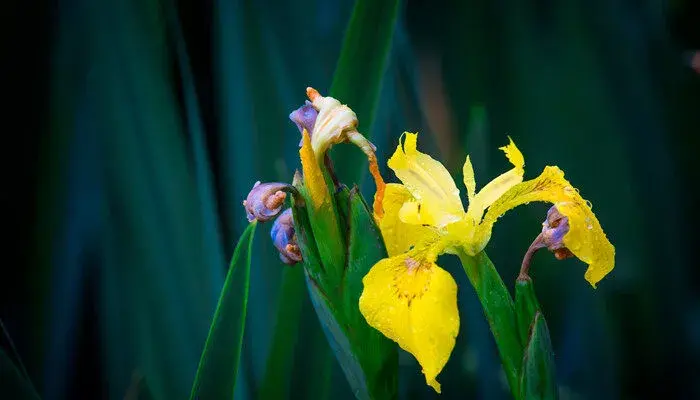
(265, 200)
(284, 238)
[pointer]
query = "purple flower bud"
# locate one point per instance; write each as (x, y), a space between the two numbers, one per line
(265, 200)
(554, 228)
(284, 238)
(305, 118)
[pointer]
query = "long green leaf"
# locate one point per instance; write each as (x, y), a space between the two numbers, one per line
(499, 311)
(13, 383)
(538, 380)
(275, 384)
(358, 75)
(218, 366)
(526, 306)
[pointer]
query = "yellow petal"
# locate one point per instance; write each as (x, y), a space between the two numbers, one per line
(469, 182)
(499, 185)
(429, 183)
(513, 154)
(414, 303)
(313, 177)
(399, 237)
(585, 238)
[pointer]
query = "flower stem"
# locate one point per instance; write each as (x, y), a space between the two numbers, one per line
(499, 310)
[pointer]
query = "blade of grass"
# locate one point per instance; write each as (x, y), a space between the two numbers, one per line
(14, 385)
(357, 80)
(218, 366)
(275, 383)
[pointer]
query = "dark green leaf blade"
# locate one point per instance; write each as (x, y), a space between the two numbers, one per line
(538, 373)
(13, 383)
(368, 359)
(358, 75)
(377, 354)
(218, 366)
(275, 383)
(499, 311)
(526, 306)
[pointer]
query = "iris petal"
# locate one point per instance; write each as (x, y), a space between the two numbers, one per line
(499, 185)
(414, 302)
(398, 236)
(429, 183)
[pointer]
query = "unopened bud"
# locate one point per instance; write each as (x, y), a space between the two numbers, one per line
(284, 238)
(265, 200)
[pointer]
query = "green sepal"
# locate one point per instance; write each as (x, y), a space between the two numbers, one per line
(499, 310)
(526, 306)
(368, 359)
(305, 237)
(537, 379)
(325, 222)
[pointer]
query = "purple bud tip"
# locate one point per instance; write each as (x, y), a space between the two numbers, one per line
(284, 238)
(554, 228)
(305, 118)
(265, 200)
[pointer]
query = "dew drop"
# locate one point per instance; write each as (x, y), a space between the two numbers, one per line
(589, 204)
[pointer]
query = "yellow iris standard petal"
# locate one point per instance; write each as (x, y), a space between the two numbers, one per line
(398, 236)
(585, 238)
(414, 303)
(429, 183)
(499, 185)
(313, 176)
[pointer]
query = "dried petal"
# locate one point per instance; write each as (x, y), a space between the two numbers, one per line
(305, 118)
(554, 228)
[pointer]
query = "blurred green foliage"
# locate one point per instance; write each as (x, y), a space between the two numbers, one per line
(153, 119)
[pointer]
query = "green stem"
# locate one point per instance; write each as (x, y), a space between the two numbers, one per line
(499, 311)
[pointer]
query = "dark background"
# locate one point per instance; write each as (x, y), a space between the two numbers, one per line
(136, 128)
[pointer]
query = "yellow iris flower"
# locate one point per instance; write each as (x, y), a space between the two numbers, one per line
(413, 301)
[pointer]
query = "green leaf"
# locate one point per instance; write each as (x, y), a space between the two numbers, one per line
(275, 383)
(305, 238)
(377, 354)
(538, 377)
(218, 366)
(526, 306)
(358, 75)
(499, 311)
(368, 359)
(13, 383)
(138, 390)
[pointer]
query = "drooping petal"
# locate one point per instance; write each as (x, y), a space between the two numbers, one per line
(429, 183)
(585, 238)
(336, 123)
(499, 185)
(399, 237)
(313, 177)
(414, 302)
(333, 122)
